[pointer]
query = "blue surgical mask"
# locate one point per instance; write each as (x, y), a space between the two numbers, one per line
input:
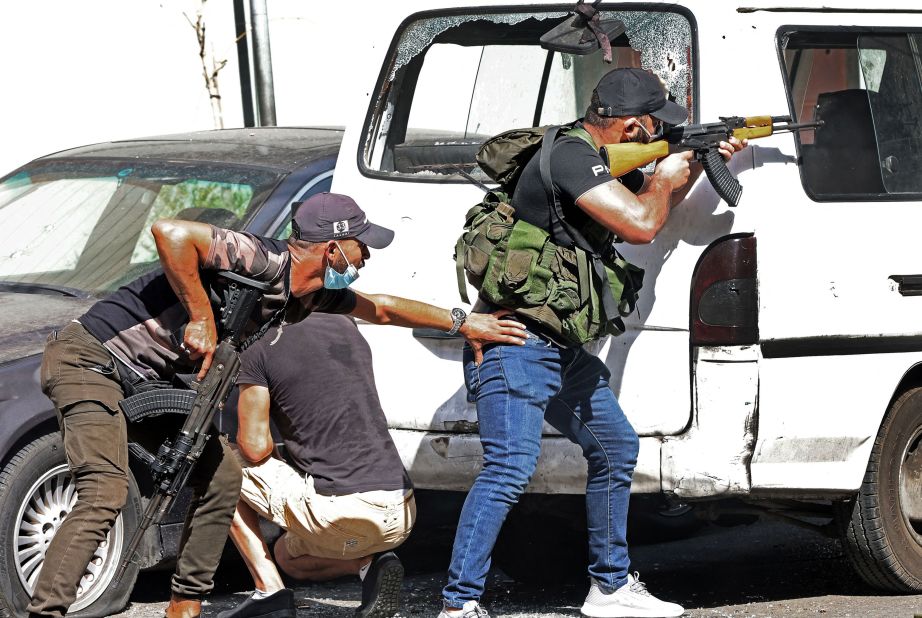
(334, 280)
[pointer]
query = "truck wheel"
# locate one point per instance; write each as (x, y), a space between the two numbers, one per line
(881, 527)
(36, 492)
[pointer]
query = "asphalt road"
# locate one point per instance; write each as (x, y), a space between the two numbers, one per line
(766, 569)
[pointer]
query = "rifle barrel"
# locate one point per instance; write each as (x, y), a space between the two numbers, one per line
(154, 512)
(796, 126)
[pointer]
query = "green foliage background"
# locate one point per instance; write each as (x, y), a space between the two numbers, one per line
(173, 199)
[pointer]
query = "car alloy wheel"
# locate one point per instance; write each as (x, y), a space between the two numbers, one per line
(40, 515)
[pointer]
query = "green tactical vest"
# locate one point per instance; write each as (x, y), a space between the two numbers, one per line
(516, 265)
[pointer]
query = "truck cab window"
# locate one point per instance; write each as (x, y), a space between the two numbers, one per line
(456, 80)
(867, 89)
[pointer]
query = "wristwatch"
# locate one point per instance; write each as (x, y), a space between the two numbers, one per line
(457, 320)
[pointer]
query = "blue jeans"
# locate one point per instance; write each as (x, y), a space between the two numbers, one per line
(516, 388)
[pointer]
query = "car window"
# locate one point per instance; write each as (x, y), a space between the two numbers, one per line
(37, 234)
(867, 90)
(226, 203)
(454, 81)
(86, 224)
(318, 184)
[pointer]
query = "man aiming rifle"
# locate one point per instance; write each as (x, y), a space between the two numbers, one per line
(163, 324)
(567, 208)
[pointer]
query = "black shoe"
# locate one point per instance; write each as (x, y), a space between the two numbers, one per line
(279, 604)
(381, 587)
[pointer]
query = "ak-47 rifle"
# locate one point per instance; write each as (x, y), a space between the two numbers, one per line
(704, 139)
(175, 459)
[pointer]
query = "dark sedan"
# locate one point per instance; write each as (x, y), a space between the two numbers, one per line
(74, 226)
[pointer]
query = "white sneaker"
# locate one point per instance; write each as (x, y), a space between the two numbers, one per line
(630, 600)
(471, 609)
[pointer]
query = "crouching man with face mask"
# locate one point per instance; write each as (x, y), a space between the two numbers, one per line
(344, 500)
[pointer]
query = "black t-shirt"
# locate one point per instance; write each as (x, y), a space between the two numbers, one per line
(576, 167)
(325, 404)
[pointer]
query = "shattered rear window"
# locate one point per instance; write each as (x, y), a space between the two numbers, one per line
(454, 81)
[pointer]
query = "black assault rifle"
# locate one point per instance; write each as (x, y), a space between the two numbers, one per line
(174, 461)
(704, 139)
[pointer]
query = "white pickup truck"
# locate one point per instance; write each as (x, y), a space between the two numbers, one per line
(775, 359)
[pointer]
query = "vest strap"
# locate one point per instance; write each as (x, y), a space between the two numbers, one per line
(561, 231)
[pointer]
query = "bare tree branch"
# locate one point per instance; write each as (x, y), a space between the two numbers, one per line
(210, 76)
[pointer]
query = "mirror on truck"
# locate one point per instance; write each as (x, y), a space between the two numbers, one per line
(581, 33)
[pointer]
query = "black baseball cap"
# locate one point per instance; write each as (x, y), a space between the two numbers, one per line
(636, 92)
(333, 216)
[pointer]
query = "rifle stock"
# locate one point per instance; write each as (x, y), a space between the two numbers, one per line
(622, 158)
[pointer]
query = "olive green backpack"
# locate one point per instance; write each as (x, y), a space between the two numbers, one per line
(577, 288)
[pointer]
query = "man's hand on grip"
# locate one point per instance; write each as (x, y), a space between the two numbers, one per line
(731, 147)
(200, 341)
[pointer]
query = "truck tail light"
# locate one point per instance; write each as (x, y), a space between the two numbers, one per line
(724, 294)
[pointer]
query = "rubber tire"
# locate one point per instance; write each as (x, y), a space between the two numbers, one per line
(873, 532)
(29, 464)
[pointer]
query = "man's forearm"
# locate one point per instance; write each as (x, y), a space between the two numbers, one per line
(397, 311)
(657, 201)
(478, 329)
(634, 218)
(680, 194)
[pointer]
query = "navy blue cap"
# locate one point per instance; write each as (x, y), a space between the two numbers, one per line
(333, 216)
(636, 92)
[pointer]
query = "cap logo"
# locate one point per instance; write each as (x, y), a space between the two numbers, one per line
(341, 228)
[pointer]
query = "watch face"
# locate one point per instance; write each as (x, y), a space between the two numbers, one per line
(458, 314)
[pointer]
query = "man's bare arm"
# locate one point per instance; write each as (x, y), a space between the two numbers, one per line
(637, 218)
(254, 439)
(479, 329)
(183, 247)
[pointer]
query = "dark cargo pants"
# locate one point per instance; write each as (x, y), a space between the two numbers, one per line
(80, 378)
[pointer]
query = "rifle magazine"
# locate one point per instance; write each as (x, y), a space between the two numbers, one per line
(157, 402)
(726, 186)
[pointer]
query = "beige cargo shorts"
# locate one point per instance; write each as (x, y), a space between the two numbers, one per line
(339, 527)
